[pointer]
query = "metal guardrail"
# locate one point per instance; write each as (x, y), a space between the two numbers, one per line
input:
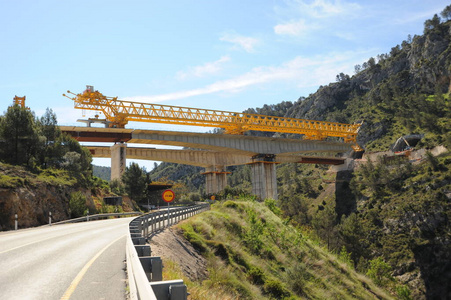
(97, 217)
(145, 271)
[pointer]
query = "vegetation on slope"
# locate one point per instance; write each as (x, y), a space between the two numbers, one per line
(403, 216)
(398, 214)
(254, 254)
(43, 171)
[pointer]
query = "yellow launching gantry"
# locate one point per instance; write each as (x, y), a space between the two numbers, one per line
(119, 112)
(19, 101)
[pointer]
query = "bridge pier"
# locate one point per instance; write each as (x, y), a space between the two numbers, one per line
(264, 180)
(215, 179)
(118, 160)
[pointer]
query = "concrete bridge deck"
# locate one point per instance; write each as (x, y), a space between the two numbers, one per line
(236, 144)
(219, 151)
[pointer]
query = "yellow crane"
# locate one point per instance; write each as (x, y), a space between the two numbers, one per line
(19, 101)
(120, 112)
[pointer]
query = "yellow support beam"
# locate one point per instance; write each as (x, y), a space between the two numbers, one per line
(120, 112)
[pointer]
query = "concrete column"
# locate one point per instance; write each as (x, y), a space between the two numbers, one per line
(264, 180)
(118, 160)
(221, 179)
(215, 179)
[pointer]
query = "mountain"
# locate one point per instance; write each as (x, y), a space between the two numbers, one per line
(393, 210)
(397, 93)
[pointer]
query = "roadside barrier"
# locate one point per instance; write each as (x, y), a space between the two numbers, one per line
(97, 217)
(144, 271)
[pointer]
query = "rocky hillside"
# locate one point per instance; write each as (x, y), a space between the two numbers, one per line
(32, 196)
(392, 210)
(402, 92)
(394, 94)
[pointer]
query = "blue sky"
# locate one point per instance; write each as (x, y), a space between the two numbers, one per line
(226, 55)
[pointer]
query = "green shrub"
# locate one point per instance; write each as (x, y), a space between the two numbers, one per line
(230, 204)
(403, 292)
(275, 288)
(11, 181)
(272, 205)
(379, 271)
(297, 276)
(77, 204)
(345, 257)
(256, 275)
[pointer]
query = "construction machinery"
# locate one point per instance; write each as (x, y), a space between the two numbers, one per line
(19, 101)
(119, 112)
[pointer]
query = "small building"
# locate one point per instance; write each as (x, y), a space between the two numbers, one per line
(113, 200)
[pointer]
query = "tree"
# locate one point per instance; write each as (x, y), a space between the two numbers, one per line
(51, 153)
(446, 13)
(357, 69)
(19, 134)
(351, 234)
(135, 181)
(324, 223)
(432, 23)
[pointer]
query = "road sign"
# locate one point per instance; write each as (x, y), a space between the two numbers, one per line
(168, 196)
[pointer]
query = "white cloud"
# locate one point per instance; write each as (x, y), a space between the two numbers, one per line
(240, 42)
(321, 9)
(295, 28)
(206, 69)
(307, 17)
(300, 72)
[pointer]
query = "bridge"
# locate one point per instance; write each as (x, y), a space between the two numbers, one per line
(218, 152)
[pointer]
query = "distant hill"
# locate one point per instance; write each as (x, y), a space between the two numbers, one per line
(102, 172)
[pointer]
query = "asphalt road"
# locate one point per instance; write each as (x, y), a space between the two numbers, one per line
(70, 261)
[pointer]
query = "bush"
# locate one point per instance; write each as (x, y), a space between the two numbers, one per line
(403, 292)
(297, 277)
(77, 204)
(272, 205)
(379, 271)
(275, 289)
(195, 197)
(256, 275)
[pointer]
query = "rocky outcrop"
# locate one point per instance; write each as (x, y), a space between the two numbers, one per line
(32, 204)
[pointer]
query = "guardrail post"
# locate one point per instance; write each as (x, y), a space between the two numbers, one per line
(139, 240)
(143, 250)
(178, 292)
(153, 267)
(50, 218)
(162, 290)
(140, 226)
(16, 222)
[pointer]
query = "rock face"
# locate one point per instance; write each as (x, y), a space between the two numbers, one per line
(421, 65)
(32, 204)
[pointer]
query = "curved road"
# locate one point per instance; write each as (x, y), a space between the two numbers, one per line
(70, 261)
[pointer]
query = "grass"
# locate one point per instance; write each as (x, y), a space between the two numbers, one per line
(16, 176)
(11, 181)
(253, 254)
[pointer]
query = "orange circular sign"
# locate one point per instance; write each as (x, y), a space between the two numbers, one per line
(168, 196)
